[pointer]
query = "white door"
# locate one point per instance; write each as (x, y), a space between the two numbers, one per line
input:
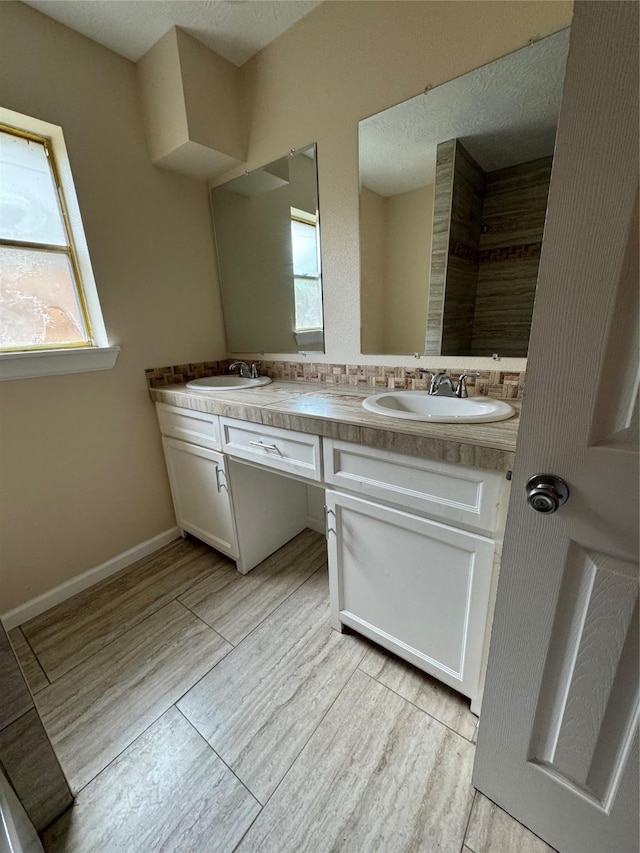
(558, 738)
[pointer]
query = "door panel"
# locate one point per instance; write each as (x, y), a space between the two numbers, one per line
(558, 736)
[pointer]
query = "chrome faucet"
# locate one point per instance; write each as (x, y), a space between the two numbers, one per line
(441, 385)
(243, 368)
(254, 369)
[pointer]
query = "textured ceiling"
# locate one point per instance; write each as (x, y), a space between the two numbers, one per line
(235, 29)
(505, 113)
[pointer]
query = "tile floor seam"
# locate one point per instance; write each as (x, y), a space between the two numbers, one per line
(26, 640)
(277, 607)
(217, 754)
(306, 741)
(56, 681)
(135, 624)
(302, 748)
(204, 622)
(51, 679)
(266, 616)
(511, 817)
(115, 758)
(375, 678)
(466, 829)
(297, 763)
(195, 683)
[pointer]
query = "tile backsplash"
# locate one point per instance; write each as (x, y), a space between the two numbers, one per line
(160, 377)
(490, 383)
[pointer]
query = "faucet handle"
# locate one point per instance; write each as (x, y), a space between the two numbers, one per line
(254, 369)
(461, 390)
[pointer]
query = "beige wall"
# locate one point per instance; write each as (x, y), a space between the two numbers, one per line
(395, 257)
(409, 226)
(81, 470)
(363, 57)
(82, 475)
(373, 246)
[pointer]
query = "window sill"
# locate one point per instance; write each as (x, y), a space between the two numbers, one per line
(26, 365)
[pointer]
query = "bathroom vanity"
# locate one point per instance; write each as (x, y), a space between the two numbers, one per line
(414, 511)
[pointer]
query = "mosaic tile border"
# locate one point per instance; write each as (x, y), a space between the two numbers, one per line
(490, 383)
(161, 377)
(511, 253)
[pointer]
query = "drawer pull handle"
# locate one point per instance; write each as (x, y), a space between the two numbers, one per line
(218, 483)
(264, 446)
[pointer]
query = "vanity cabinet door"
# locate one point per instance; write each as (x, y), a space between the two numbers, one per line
(417, 587)
(200, 492)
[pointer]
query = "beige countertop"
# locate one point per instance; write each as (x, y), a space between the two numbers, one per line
(337, 412)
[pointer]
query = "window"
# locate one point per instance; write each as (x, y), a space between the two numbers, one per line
(49, 310)
(306, 271)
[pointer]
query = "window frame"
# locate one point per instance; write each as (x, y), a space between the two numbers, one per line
(50, 359)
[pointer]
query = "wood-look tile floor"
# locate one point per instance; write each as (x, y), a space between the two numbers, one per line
(195, 710)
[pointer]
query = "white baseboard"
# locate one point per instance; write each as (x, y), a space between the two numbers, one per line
(316, 524)
(36, 606)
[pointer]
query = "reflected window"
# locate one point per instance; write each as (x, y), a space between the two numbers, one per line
(306, 271)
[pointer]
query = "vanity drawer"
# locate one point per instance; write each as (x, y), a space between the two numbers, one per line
(197, 428)
(286, 450)
(456, 494)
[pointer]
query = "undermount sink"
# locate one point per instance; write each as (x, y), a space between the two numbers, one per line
(226, 383)
(420, 406)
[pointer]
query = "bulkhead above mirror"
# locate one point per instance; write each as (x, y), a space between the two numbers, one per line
(267, 231)
(453, 193)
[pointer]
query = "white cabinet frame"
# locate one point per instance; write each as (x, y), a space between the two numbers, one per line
(417, 587)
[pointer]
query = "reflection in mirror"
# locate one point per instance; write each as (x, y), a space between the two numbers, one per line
(453, 193)
(267, 236)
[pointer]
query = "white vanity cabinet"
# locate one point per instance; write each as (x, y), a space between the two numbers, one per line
(411, 556)
(411, 541)
(198, 476)
(245, 512)
(200, 492)
(285, 450)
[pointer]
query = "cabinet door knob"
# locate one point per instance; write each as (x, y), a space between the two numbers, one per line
(546, 492)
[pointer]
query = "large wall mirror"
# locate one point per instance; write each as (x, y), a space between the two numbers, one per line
(453, 192)
(268, 241)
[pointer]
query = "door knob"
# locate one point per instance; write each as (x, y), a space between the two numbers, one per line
(545, 493)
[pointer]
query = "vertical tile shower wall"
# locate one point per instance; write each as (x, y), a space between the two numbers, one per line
(487, 237)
